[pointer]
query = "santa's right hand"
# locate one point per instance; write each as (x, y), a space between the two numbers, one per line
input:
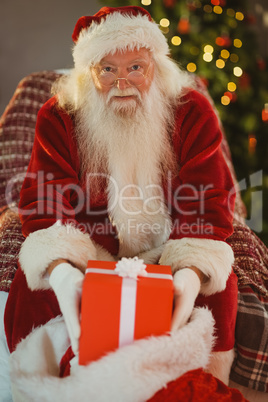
(67, 281)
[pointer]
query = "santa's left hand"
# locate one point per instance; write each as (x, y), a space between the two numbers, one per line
(186, 288)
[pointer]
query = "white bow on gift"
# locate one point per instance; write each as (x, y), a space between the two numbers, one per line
(131, 267)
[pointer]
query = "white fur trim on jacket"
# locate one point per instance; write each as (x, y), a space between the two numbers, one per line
(117, 32)
(214, 258)
(130, 374)
(42, 247)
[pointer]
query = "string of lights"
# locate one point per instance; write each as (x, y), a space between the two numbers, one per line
(222, 56)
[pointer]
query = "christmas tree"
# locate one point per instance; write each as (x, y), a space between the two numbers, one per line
(215, 39)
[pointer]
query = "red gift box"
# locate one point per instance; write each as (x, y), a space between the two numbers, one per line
(117, 310)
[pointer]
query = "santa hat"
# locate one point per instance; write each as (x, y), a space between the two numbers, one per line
(114, 29)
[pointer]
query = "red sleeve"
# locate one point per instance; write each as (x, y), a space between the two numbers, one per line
(202, 200)
(53, 167)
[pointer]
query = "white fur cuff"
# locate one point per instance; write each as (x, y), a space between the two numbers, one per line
(214, 258)
(42, 247)
(130, 374)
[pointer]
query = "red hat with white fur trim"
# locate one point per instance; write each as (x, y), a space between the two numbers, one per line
(114, 29)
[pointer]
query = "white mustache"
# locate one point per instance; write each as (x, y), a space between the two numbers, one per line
(124, 92)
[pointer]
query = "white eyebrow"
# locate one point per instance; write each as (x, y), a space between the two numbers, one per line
(102, 63)
(138, 61)
(131, 62)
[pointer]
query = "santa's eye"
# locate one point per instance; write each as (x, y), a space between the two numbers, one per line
(136, 67)
(107, 69)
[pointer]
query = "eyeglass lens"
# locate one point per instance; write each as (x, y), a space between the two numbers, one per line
(134, 78)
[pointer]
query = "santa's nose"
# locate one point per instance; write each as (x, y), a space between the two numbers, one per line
(122, 83)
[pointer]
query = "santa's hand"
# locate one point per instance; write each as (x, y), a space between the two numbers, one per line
(186, 288)
(66, 281)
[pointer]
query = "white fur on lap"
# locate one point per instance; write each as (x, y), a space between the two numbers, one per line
(132, 373)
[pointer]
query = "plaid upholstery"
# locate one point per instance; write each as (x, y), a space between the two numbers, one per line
(250, 367)
(17, 127)
(11, 239)
(251, 258)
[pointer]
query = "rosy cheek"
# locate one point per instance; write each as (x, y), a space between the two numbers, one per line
(103, 90)
(145, 87)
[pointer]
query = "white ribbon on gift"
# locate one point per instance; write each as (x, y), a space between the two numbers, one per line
(129, 269)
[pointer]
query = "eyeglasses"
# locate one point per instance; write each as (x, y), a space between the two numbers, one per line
(134, 78)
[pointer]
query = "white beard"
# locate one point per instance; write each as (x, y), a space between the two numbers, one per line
(128, 141)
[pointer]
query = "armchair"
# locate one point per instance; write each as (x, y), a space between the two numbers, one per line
(17, 127)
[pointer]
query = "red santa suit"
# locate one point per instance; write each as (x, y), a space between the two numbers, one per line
(196, 140)
(60, 219)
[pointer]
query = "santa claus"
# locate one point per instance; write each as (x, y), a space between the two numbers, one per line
(126, 162)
